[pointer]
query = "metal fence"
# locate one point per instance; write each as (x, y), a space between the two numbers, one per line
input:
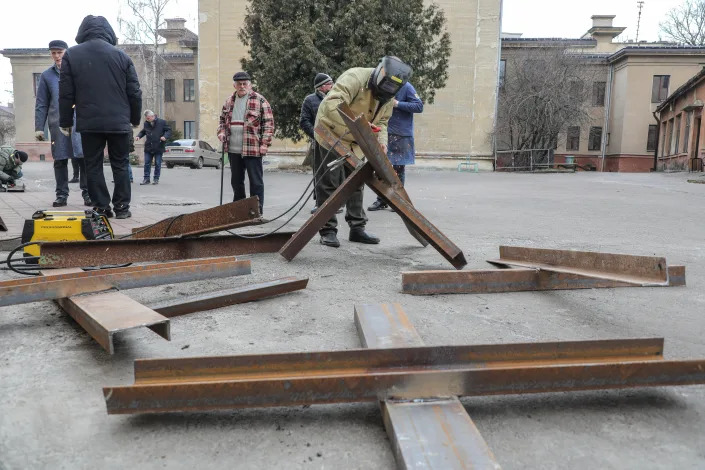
(523, 160)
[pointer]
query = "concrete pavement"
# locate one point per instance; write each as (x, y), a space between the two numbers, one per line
(52, 412)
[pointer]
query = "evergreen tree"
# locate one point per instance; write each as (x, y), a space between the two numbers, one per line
(290, 41)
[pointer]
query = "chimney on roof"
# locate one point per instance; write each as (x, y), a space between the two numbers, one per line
(603, 32)
(175, 23)
(602, 21)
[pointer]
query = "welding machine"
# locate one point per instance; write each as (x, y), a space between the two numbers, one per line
(56, 226)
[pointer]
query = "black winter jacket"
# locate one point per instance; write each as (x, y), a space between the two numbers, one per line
(154, 131)
(100, 80)
(308, 112)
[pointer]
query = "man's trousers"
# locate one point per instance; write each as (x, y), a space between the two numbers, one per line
(118, 152)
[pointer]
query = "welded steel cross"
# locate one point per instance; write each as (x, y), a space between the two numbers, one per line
(417, 386)
(377, 173)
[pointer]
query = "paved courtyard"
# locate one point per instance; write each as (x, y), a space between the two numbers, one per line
(52, 411)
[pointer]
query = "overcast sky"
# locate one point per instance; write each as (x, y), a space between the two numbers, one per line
(33, 23)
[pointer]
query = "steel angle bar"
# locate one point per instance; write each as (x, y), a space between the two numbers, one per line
(643, 270)
(499, 280)
(436, 434)
(110, 252)
(3, 226)
(223, 298)
(324, 212)
(67, 285)
(231, 215)
(300, 389)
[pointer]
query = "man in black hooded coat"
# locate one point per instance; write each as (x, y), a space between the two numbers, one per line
(101, 82)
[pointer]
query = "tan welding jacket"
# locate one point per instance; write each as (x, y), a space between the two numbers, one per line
(351, 88)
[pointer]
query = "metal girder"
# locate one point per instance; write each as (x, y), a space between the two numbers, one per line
(66, 285)
(222, 298)
(231, 215)
(120, 251)
(3, 226)
(434, 434)
(416, 223)
(547, 270)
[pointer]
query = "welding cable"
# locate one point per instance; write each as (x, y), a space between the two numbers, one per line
(29, 269)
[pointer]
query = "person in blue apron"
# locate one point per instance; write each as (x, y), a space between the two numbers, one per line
(400, 131)
(63, 148)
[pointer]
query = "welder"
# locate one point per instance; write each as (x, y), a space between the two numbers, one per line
(367, 91)
(11, 161)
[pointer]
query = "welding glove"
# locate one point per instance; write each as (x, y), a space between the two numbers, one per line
(66, 131)
(39, 135)
(10, 182)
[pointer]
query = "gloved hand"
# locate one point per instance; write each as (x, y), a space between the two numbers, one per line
(10, 182)
(39, 135)
(221, 137)
(66, 131)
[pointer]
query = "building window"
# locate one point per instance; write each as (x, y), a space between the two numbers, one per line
(189, 129)
(169, 89)
(502, 71)
(35, 81)
(598, 93)
(573, 141)
(189, 90)
(595, 138)
(576, 90)
(678, 134)
(651, 138)
(669, 147)
(686, 134)
(659, 88)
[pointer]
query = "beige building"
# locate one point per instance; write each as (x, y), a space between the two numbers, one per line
(458, 124)
(631, 80)
(177, 84)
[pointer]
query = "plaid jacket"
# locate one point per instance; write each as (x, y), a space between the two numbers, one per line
(259, 125)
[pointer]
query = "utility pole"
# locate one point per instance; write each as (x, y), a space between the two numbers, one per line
(640, 4)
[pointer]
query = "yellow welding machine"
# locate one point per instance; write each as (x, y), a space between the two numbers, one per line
(59, 226)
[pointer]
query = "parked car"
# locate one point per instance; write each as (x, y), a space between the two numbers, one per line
(194, 153)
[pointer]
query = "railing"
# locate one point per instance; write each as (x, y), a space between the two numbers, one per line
(523, 160)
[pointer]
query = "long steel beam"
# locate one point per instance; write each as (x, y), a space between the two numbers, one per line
(231, 215)
(111, 252)
(223, 298)
(67, 285)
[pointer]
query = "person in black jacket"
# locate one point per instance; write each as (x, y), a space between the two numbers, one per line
(101, 82)
(157, 131)
(322, 84)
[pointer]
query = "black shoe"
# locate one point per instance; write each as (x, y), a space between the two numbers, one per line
(106, 212)
(87, 201)
(73, 180)
(143, 182)
(60, 202)
(329, 239)
(313, 211)
(360, 236)
(156, 182)
(377, 206)
(123, 214)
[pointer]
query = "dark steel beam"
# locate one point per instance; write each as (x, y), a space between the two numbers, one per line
(3, 226)
(112, 252)
(231, 215)
(223, 298)
(66, 285)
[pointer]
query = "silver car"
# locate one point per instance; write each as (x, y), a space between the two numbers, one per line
(194, 153)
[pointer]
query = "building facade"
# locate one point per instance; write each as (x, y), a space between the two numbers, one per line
(176, 84)
(458, 124)
(681, 143)
(630, 80)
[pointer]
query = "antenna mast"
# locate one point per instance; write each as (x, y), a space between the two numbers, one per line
(640, 4)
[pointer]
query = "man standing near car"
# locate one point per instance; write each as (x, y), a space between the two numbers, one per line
(100, 81)
(157, 131)
(246, 130)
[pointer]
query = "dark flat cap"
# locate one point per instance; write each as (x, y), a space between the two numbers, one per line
(241, 76)
(58, 44)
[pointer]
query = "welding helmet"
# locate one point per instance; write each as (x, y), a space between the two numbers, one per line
(388, 77)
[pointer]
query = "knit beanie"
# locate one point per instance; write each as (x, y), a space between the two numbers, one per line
(321, 79)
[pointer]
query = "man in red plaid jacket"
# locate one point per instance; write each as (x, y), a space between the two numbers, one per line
(246, 129)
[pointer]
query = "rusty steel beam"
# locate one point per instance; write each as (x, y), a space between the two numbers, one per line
(435, 434)
(362, 375)
(111, 252)
(641, 270)
(324, 212)
(216, 219)
(67, 285)
(223, 298)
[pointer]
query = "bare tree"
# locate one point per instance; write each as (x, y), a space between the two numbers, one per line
(141, 25)
(544, 91)
(7, 130)
(686, 24)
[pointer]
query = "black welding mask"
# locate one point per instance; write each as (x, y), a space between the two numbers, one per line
(388, 77)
